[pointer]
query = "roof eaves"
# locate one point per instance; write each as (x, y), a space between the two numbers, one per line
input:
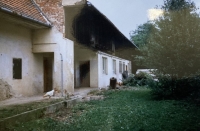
(24, 17)
(43, 15)
(27, 17)
(90, 4)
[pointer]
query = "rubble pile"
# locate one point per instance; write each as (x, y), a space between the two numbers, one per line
(5, 90)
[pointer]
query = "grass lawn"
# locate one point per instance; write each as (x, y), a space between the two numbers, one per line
(128, 110)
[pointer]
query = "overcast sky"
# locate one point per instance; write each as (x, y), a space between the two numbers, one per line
(127, 14)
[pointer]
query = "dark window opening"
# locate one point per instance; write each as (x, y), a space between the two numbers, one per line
(17, 68)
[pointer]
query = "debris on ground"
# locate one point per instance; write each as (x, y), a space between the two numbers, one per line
(5, 90)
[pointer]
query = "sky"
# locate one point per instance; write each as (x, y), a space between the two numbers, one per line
(127, 15)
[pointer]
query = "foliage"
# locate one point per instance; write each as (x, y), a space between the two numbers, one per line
(140, 79)
(177, 5)
(140, 36)
(172, 88)
(129, 110)
(174, 44)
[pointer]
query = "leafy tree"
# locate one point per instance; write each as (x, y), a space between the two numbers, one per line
(174, 44)
(141, 34)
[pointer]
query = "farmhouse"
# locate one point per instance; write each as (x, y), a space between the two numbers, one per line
(64, 44)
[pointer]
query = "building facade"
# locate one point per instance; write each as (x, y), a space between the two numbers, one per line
(43, 45)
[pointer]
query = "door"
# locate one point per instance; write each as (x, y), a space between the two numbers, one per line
(85, 73)
(47, 62)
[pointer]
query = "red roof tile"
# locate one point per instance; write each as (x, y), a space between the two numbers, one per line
(25, 8)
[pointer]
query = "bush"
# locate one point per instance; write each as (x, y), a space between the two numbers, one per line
(140, 79)
(170, 87)
(164, 88)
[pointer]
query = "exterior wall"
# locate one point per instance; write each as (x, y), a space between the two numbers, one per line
(104, 79)
(83, 54)
(97, 77)
(32, 46)
(94, 71)
(16, 42)
(51, 40)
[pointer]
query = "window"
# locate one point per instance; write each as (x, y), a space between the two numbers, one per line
(120, 67)
(114, 66)
(129, 67)
(17, 68)
(123, 67)
(104, 65)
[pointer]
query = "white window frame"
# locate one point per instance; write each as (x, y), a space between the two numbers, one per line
(129, 67)
(114, 66)
(104, 65)
(123, 67)
(120, 67)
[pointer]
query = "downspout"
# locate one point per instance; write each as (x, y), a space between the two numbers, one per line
(61, 73)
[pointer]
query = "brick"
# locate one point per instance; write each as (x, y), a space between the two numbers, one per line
(54, 11)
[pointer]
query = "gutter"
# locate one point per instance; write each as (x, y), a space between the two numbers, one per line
(24, 17)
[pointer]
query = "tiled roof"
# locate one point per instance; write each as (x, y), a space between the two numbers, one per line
(24, 8)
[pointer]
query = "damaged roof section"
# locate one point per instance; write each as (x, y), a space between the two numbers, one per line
(24, 12)
(88, 26)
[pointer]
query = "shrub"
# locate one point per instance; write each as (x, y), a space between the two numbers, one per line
(170, 87)
(140, 79)
(164, 88)
(130, 81)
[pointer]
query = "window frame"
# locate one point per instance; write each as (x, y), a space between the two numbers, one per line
(129, 67)
(104, 65)
(120, 67)
(114, 66)
(123, 67)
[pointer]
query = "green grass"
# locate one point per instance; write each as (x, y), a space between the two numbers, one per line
(128, 110)
(11, 110)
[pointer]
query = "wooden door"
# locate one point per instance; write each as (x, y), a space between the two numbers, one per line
(47, 62)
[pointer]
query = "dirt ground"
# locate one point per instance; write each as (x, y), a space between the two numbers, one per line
(22, 100)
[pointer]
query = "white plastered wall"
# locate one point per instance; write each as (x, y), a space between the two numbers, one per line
(97, 78)
(94, 71)
(93, 59)
(16, 42)
(84, 54)
(50, 40)
(104, 79)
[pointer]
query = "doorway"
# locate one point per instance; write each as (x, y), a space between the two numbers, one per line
(48, 73)
(85, 74)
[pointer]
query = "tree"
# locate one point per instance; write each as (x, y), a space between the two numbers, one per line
(141, 34)
(174, 44)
